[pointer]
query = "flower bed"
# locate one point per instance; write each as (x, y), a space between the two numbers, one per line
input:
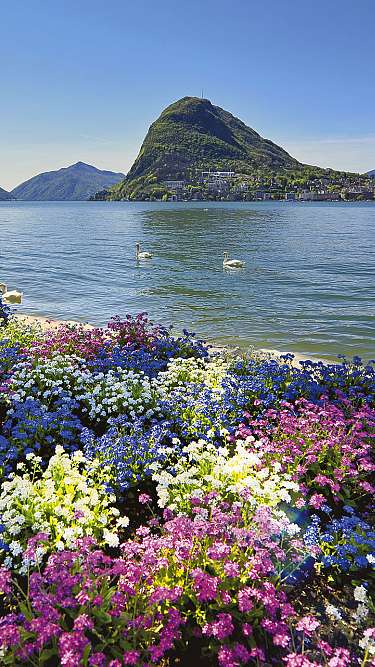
(163, 506)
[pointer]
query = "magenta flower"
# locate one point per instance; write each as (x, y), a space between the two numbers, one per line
(131, 657)
(144, 498)
(5, 581)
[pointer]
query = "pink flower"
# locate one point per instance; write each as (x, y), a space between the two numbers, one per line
(97, 601)
(205, 585)
(5, 581)
(221, 628)
(131, 657)
(144, 498)
(225, 597)
(218, 551)
(231, 569)
(247, 630)
(233, 657)
(97, 660)
(317, 500)
(245, 602)
(9, 632)
(281, 639)
(325, 647)
(308, 625)
(295, 660)
(71, 648)
(83, 622)
(341, 658)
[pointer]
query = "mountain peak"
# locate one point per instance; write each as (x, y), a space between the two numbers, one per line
(81, 165)
(76, 182)
(193, 135)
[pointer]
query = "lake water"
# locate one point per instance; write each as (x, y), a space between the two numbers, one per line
(308, 284)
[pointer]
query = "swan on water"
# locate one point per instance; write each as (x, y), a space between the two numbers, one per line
(232, 263)
(141, 255)
(13, 296)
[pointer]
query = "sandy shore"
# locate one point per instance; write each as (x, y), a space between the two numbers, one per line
(50, 323)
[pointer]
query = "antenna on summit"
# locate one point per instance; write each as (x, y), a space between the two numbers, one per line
(202, 94)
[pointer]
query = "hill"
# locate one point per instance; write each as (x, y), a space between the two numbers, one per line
(371, 173)
(74, 183)
(193, 135)
(4, 195)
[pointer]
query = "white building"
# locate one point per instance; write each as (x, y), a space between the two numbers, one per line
(217, 174)
(174, 185)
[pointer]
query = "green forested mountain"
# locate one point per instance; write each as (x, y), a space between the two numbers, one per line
(4, 195)
(193, 134)
(77, 182)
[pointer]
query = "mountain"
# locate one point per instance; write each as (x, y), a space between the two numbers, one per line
(77, 182)
(4, 195)
(193, 135)
(371, 173)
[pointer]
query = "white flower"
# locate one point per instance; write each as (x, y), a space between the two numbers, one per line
(292, 529)
(123, 522)
(110, 538)
(367, 643)
(333, 612)
(361, 613)
(15, 548)
(360, 594)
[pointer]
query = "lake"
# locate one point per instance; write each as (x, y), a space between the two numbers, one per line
(308, 284)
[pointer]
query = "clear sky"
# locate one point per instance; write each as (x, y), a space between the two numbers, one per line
(83, 79)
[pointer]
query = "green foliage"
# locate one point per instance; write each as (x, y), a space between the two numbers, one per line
(20, 331)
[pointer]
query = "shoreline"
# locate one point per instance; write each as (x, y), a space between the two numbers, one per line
(52, 323)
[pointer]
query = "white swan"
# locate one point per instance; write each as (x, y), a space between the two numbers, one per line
(141, 255)
(232, 263)
(13, 296)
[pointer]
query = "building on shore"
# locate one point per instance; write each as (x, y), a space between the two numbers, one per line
(174, 186)
(208, 175)
(309, 195)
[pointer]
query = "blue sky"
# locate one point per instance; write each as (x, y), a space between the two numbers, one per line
(83, 80)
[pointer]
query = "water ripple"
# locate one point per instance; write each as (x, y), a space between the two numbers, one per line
(308, 282)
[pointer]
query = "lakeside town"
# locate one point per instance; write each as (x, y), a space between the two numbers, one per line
(228, 185)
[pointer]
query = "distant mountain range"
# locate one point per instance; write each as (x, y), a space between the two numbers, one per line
(75, 183)
(192, 136)
(4, 195)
